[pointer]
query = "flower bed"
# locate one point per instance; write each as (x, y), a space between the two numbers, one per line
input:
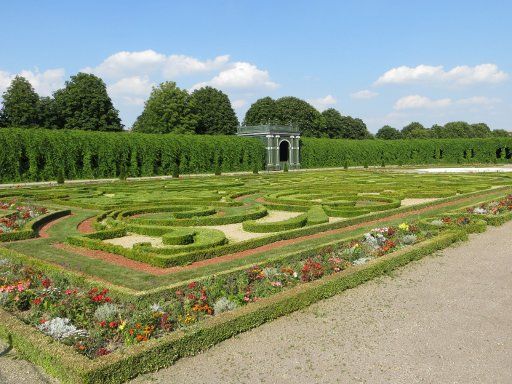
(468, 223)
(19, 215)
(62, 361)
(95, 324)
(495, 212)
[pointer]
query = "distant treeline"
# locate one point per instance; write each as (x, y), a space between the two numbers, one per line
(452, 130)
(84, 104)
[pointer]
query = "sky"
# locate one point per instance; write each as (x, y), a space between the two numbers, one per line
(386, 62)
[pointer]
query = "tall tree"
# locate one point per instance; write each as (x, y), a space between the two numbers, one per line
(437, 131)
(215, 116)
(480, 130)
(299, 113)
(457, 129)
(354, 128)
(415, 130)
(388, 133)
(333, 122)
(501, 133)
(20, 104)
(169, 109)
(263, 111)
(85, 104)
(48, 113)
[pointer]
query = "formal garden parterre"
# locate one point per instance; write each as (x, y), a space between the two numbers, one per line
(130, 276)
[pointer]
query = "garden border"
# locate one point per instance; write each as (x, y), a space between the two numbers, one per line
(61, 361)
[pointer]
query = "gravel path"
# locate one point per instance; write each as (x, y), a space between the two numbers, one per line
(440, 320)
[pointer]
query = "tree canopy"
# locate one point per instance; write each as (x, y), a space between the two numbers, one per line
(262, 111)
(354, 128)
(85, 104)
(20, 104)
(415, 130)
(169, 109)
(333, 122)
(214, 112)
(299, 113)
(388, 133)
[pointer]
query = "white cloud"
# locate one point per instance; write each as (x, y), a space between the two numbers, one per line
(423, 102)
(44, 83)
(323, 102)
(135, 85)
(460, 75)
(364, 94)
(5, 80)
(138, 63)
(420, 102)
(240, 75)
(131, 90)
(177, 65)
(239, 103)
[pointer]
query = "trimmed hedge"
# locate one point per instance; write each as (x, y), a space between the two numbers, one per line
(203, 238)
(30, 229)
(61, 361)
(40, 154)
(201, 220)
(275, 226)
(321, 153)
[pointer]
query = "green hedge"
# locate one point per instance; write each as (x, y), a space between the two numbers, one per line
(30, 229)
(275, 226)
(320, 153)
(40, 154)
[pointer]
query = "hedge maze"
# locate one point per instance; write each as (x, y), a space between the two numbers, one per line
(101, 282)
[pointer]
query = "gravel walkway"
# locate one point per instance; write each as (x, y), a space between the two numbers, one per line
(440, 320)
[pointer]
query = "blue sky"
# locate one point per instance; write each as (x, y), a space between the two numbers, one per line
(388, 62)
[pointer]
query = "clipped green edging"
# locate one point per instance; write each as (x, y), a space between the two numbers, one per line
(30, 229)
(61, 361)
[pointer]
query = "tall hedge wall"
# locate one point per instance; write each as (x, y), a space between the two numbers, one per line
(318, 153)
(40, 154)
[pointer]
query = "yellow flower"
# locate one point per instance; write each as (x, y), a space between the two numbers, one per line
(122, 325)
(404, 227)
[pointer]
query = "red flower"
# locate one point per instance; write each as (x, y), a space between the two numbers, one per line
(192, 285)
(38, 301)
(102, 352)
(46, 283)
(311, 270)
(103, 323)
(112, 324)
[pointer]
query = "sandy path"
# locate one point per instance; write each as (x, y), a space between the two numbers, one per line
(236, 233)
(410, 201)
(440, 320)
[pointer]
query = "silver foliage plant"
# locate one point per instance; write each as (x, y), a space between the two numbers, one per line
(61, 328)
(106, 311)
(409, 239)
(223, 305)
